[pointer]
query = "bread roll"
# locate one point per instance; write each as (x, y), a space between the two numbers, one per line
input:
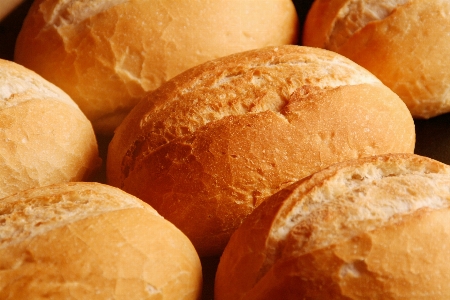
(92, 241)
(209, 145)
(107, 54)
(6, 6)
(44, 136)
(374, 228)
(402, 42)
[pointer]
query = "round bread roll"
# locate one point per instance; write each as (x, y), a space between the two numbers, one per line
(45, 138)
(107, 54)
(400, 41)
(374, 228)
(209, 145)
(92, 241)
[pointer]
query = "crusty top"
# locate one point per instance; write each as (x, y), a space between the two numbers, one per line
(354, 15)
(330, 207)
(68, 12)
(373, 192)
(36, 211)
(19, 84)
(107, 54)
(345, 17)
(382, 36)
(249, 82)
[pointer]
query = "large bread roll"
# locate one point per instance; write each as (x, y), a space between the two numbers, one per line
(374, 228)
(402, 42)
(92, 241)
(209, 145)
(44, 136)
(107, 54)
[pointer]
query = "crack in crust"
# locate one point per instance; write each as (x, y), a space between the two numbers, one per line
(355, 15)
(305, 223)
(39, 210)
(72, 12)
(18, 85)
(223, 88)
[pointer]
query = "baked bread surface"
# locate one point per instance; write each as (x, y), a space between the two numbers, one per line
(107, 54)
(362, 229)
(45, 138)
(92, 241)
(209, 145)
(399, 41)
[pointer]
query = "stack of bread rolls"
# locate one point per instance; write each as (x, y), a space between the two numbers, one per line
(213, 127)
(209, 145)
(107, 54)
(80, 240)
(59, 240)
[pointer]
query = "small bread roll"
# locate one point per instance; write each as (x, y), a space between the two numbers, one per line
(402, 42)
(44, 136)
(209, 145)
(373, 228)
(107, 54)
(92, 241)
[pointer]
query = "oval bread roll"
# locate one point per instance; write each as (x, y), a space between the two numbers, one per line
(371, 228)
(209, 145)
(44, 137)
(400, 41)
(107, 54)
(92, 241)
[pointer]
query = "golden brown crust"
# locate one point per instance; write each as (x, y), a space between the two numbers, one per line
(316, 28)
(355, 230)
(253, 81)
(45, 142)
(45, 138)
(19, 84)
(97, 243)
(106, 55)
(212, 143)
(7, 6)
(388, 47)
